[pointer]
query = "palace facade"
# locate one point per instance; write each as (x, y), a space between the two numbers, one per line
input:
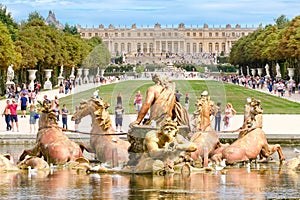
(156, 40)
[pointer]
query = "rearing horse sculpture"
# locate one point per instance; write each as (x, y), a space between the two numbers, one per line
(51, 142)
(252, 140)
(104, 145)
(205, 137)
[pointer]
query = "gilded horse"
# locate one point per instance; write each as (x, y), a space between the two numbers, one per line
(51, 141)
(103, 143)
(205, 137)
(252, 141)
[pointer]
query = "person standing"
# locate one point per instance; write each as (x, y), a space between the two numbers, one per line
(13, 114)
(119, 99)
(29, 96)
(229, 113)
(138, 100)
(61, 88)
(55, 107)
(64, 116)
(46, 100)
(77, 121)
(23, 104)
(32, 118)
(6, 113)
(119, 112)
(218, 117)
(178, 96)
(187, 101)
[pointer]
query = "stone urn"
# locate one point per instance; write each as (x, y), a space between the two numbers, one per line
(60, 80)
(259, 71)
(72, 76)
(31, 77)
(291, 72)
(79, 74)
(86, 73)
(48, 84)
(253, 72)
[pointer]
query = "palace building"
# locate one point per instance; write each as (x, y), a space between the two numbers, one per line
(160, 40)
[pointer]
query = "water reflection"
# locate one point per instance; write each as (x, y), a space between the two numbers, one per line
(262, 181)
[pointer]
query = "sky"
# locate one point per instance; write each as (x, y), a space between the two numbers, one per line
(144, 13)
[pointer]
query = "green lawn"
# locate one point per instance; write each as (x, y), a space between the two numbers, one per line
(218, 91)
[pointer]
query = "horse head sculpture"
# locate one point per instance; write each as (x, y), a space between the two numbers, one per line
(97, 109)
(47, 115)
(103, 142)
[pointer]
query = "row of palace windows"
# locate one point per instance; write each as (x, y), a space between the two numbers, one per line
(167, 47)
(170, 34)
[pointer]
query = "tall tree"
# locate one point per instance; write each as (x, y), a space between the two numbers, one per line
(98, 57)
(35, 15)
(7, 48)
(71, 29)
(6, 18)
(290, 43)
(281, 22)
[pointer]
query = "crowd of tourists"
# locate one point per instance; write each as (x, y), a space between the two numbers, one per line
(24, 98)
(278, 86)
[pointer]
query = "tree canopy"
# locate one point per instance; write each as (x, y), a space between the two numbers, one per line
(35, 45)
(278, 43)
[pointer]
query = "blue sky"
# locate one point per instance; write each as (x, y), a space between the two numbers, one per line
(149, 12)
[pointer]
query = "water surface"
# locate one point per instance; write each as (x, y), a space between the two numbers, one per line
(257, 181)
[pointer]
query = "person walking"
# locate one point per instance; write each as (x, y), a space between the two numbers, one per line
(6, 113)
(64, 116)
(46, 100)
(119, 112)
(13, 114)
(218, 117)
(32, 118)
(138, 100)
(77, 121)
(229, 113)
(55, 107)
(178, 95)
(187, 101)
(119, 99)
(23, 104)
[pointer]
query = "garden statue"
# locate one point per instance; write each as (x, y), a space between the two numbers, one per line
(160, 100)
(10, 73)
(164, 146)
(278, 74)
(248, 71)
(61, 70)
(267, 67)
(60, 77)
(97, 75)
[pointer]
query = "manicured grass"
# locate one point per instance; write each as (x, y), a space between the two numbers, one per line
(218, 91)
